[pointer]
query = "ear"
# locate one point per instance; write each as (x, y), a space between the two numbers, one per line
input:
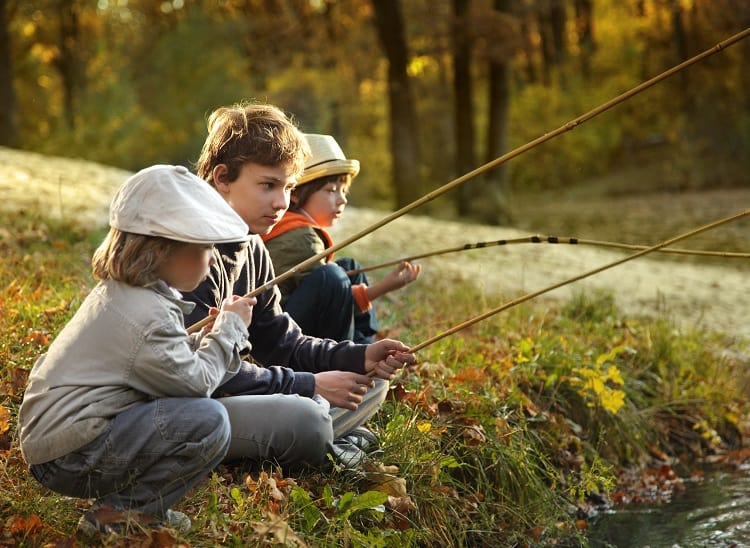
(220, 175)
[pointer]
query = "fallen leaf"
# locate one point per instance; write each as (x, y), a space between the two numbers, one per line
(4, 420)
(279, 531)
(25, 526)
(474, 435)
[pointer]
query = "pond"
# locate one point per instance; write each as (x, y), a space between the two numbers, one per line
(712, 512)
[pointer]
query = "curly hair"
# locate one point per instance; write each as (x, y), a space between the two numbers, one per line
(250, 133)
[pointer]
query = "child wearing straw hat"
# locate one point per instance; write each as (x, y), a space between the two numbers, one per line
(118, 409)
(324, 300)
(253, 155)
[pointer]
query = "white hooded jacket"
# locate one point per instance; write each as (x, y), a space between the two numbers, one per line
(125, 345)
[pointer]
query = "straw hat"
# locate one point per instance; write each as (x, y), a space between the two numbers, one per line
(170, 202)
(327, 158)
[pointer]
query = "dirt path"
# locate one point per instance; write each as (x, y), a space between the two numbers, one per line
(61, 188)
(711, 296)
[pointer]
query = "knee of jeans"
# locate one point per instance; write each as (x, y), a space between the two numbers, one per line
(347, 264)
(332, 277)
(214, 419)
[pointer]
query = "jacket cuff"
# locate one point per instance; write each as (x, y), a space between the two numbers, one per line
(359, 292)
(303, 384)
(236, 330)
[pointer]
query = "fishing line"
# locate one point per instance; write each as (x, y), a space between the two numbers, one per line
(489, 165)
(537, 239)
(549, 288)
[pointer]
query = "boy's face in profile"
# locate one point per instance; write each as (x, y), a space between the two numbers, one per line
(260, 194)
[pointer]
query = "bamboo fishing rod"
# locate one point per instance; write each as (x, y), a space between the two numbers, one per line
(537, 239)
(576, 278)
(489, 165)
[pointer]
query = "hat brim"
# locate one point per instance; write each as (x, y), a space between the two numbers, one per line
(334, 167)
(205, 241)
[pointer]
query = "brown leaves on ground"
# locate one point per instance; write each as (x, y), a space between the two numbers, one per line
(5, 431)
(384, 478)
(139, 530)
(276, 531)
(269, 491)
(14, 383)
(23, 526)
(650, 485)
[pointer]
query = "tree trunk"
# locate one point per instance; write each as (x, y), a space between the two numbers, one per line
(9, 132)
(544, 25)
(68, 62)
(403, 118)
(551, 20)
(463, 105)
(495, 207)
(558, 20)
(680, 42)
(585, 33)
(528, 49)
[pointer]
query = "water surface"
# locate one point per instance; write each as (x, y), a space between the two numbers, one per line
(713, 512)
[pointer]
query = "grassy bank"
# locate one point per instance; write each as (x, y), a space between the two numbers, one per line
(506, 433)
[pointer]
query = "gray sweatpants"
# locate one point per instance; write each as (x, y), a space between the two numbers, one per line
(291, 429)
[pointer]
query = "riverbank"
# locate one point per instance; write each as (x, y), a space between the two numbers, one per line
(504, 433)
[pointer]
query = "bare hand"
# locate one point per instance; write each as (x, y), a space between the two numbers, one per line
(212, 312)
(401, 276)
(385, 357)
(242, 306)
(342, 388)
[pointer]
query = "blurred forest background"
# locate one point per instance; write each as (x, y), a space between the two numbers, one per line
(420, 91)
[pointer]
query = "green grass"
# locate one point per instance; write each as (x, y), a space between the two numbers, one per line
(497, 437)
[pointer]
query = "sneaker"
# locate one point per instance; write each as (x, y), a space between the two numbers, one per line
(347, 454)
(104, 519)
(352, 449)
(177, 521)
(363, 438)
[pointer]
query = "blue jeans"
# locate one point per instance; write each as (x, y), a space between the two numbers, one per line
(323, 305)
(147, 458)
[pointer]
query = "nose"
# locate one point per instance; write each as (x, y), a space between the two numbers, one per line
(281, 200)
